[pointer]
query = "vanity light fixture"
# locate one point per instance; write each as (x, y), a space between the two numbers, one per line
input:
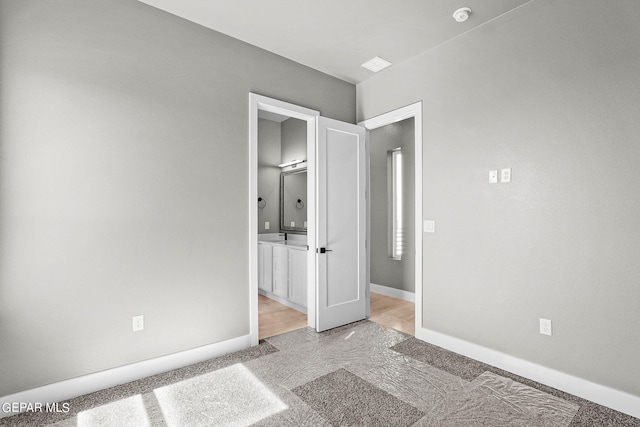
(376, 64)
(293, 163)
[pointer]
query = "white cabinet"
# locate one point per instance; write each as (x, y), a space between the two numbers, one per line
(265, 267)
(282, 274)
(281, 271)
(298, 277)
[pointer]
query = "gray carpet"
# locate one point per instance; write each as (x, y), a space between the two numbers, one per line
(345, 399)
(358, 374)
(589, 413)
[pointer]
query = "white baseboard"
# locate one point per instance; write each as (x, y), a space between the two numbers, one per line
(283, 301)
(602, 395)
(392, 292)
(79, 386)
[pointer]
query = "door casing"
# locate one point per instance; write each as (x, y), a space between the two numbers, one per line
(259, 102)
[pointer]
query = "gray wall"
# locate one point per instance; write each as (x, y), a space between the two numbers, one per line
(557, 100)
(278, 143)
(385, 271)
(294, 147)
(294, 140)
(123, 188)
(269, 148)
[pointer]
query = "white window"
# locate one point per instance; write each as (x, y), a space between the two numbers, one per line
(394, 183)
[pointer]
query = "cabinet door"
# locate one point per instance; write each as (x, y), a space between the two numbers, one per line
(298, 277)
(281, 271)
(265, 267)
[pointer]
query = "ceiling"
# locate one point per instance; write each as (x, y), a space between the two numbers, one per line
(337, 36)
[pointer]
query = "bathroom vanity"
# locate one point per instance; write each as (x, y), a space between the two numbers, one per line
(282, 269)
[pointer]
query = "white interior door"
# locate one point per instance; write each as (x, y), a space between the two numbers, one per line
(341, 223)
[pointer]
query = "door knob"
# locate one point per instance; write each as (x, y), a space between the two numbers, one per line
(323, 250)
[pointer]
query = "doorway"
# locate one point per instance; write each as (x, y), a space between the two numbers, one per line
(401, 128)
(282, 224)
(392, 245)
(337, 275)
(275, 109)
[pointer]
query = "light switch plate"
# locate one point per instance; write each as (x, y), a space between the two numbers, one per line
(429, 226)
(505, 175)
(493, 176)
(138, 323)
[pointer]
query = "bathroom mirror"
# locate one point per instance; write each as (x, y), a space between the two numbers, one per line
(293, 201)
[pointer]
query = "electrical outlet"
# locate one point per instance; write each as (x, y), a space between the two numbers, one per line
(545, 327)
(138, 323)
(266, 225)
(493, 176)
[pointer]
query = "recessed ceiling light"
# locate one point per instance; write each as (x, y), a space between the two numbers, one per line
(376, 64)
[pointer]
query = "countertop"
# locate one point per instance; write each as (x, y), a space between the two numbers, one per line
(286, 243)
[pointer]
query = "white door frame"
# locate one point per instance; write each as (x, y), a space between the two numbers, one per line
(415, 111)
(259, 102)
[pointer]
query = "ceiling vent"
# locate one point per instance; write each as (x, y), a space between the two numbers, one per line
(376, 64)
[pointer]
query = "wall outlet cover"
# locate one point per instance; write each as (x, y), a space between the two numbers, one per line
(545, 327)
(493, 176)
(266, 225)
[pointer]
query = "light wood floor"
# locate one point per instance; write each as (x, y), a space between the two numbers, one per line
(393, 313)
(275, 318)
